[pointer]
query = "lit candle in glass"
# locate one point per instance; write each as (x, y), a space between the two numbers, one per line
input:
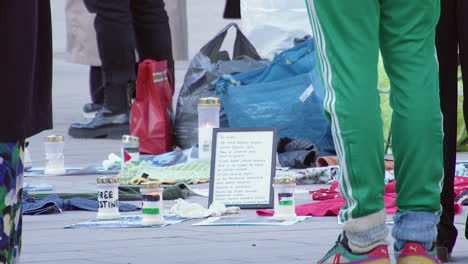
(208, 118)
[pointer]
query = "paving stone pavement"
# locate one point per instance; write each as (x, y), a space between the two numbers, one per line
(45, 240)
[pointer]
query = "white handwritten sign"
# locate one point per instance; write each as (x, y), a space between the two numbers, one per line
(243, 165)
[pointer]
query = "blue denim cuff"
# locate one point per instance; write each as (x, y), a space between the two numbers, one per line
(415, 227)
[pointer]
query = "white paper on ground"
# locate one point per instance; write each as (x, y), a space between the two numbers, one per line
(126, 221)
(248, 220)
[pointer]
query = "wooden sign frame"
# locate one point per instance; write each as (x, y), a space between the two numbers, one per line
(243, 164)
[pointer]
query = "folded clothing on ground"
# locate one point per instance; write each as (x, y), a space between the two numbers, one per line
(53, 204)
(189, 172)
(318, 175)
(126, 193)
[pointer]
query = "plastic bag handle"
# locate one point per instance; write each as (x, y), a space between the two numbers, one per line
(242, 45)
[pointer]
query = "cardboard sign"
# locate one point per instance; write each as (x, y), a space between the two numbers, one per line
(243, 163)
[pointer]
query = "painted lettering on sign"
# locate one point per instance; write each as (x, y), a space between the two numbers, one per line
(107, 199)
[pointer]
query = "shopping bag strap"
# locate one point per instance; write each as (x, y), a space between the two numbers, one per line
(147, 70)
(161, 68)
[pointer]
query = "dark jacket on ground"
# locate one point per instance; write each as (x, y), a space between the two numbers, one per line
(25, 69)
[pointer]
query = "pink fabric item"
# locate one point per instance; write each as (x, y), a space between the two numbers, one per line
(458, 208)
(460, 185)
(323, 208)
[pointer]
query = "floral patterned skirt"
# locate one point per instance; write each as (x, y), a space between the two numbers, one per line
(11, 188)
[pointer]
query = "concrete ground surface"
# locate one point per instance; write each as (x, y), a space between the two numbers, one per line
(45, 240)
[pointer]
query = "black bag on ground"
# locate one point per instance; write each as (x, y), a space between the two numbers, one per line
(200, 81)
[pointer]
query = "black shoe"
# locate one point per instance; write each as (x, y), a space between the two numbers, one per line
(111, 121)
(90, 110)
(104, 125)
(443, 254)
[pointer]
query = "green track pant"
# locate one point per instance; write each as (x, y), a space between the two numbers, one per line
(348, 37)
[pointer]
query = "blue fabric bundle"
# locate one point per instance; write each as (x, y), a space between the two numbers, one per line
(287, 94)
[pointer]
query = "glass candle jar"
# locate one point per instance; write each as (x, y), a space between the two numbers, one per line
(54, 155)
(208, 118)
(152, 203)
(285, 206)
(130, 149)
(108, 198)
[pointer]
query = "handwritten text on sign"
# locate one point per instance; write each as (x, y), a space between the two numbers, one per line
(243, 167)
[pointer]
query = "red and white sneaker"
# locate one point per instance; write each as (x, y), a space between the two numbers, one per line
(415, 253)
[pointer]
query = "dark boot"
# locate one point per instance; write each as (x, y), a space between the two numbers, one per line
(112, 121)
(90, 110)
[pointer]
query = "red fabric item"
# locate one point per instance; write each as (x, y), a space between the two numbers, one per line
(150, 118)
(326, 194)
(330, 201)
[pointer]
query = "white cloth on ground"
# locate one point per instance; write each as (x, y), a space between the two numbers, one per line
(193, 210)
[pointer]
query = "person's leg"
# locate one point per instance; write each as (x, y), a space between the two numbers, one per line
(407, 40)
(11, 173)
(152, 31)
(116, 43)
(95, 84)
(115, 37)
(96, 92)
(462, 19)
(462, 26)
(447, 51)
(346, 35)
(232, 9)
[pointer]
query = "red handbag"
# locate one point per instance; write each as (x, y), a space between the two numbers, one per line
(151, 111)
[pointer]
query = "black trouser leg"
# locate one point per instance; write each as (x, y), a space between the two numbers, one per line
(446, 42)
(232, 9)
(462, 17)
(153, 34)
(462, 27)
(95, 85)
(115, 37)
